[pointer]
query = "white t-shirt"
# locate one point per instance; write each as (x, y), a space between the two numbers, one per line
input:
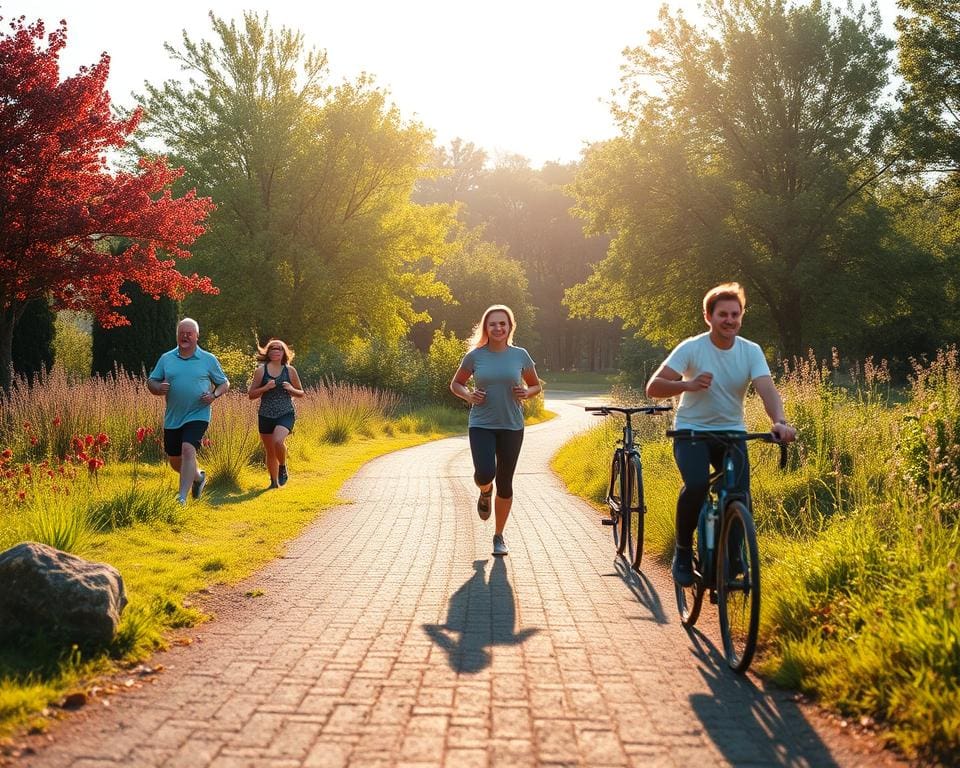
(721, 406)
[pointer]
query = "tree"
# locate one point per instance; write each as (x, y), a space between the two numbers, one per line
(315, 238)
(60, 200)
(32, 347)
(135, 347)
(929, 52)
(756, 161)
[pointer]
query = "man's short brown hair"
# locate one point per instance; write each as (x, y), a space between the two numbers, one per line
(724, 292)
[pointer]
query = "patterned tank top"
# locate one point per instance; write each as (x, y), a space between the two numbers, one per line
(277, 401)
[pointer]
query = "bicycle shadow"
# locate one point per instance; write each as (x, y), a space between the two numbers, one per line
(480, 615)
(643, 590)
(771, 730)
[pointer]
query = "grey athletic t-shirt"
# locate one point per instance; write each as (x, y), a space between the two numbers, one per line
(497, 373)
(720, 407)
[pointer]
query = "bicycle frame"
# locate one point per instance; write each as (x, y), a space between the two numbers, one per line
(727, 563)
(625, 491)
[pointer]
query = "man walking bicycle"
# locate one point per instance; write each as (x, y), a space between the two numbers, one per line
(711, 373)
(190, 379)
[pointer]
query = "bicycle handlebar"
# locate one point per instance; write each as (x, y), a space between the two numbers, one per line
(729, 437)
(605, 410)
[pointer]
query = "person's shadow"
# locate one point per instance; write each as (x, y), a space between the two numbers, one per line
(480, 614)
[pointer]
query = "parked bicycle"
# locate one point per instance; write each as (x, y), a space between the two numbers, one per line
(726, 560)
(625, 492)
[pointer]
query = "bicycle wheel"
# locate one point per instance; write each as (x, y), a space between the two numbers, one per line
(738, 586)
(615, 500)
(690, 599)
(635, 532)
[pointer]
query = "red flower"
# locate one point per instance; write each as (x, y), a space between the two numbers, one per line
(141, 433)
(22, 495)
(102, 438)
(26, 469)
(205, 442)
(33, 440)
(7, 453)
(88, 440)
(57, 421)
(94, 464)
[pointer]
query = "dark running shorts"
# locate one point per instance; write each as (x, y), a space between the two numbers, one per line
(192, 432)
(267, 424)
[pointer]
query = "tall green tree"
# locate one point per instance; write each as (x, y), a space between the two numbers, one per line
(929, 54)
(33, 339)
(315, 239)
(755, 159)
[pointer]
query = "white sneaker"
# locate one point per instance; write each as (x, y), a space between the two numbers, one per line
(500, 547)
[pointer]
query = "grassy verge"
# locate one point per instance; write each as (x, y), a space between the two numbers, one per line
(859, 539)
(223, 538)
(578, 381)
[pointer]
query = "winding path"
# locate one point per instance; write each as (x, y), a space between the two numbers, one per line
(388, 635)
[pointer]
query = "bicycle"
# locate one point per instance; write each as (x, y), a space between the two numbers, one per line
(729, 567)
(625, 492)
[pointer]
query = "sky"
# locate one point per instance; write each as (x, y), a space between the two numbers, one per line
(527, 77)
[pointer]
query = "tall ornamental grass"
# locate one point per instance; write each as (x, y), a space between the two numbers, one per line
(859, 538)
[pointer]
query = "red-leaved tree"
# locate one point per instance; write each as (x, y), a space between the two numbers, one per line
(60, 202)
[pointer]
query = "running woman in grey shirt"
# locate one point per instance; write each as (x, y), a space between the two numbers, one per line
(503, 376)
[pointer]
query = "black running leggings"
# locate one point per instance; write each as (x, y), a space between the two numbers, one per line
(495, 453)
(694, 458)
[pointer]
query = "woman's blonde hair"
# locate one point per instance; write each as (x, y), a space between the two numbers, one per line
(263, 353)
(479, 337)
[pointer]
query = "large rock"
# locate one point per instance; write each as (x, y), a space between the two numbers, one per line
(58, 595)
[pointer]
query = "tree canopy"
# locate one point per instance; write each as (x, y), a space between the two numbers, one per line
(60, 199)
(748, 151)
(929, 52)
(315, 238)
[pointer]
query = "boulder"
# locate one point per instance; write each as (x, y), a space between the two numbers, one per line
(60, 596)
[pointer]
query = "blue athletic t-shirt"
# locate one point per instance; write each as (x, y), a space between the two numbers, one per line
(496, 373)
(189, 378)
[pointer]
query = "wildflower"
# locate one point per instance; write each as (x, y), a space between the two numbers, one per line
(57, 421)
(7, 453)
(27, 469)
(33, 440)
(21, 495)
(94, 464)
(141, 433)
(103, 439)
(88, 440)
(205, 442)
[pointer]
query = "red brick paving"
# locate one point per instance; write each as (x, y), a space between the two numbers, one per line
(389, 636)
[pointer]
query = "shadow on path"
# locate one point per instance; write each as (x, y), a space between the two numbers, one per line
(480, 614)
(642, 589)
(750, 726)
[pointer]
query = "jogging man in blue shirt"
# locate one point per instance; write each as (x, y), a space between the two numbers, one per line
(190, 379)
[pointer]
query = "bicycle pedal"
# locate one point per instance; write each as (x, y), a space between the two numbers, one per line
(608, 521)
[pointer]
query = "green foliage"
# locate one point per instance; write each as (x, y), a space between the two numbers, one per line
(33, 339)
(929, 52)
(136, 347)
(237, 363)
(756, 160)
(72, 344)
(314, 238)
(375, 362)
(443, 359)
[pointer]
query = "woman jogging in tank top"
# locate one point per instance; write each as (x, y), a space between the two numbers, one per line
(275, 383)
(503, 377)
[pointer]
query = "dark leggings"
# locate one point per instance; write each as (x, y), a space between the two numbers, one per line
(694, 458)
(495, 453)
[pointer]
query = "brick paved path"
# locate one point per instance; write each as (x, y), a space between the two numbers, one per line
(388, 635)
